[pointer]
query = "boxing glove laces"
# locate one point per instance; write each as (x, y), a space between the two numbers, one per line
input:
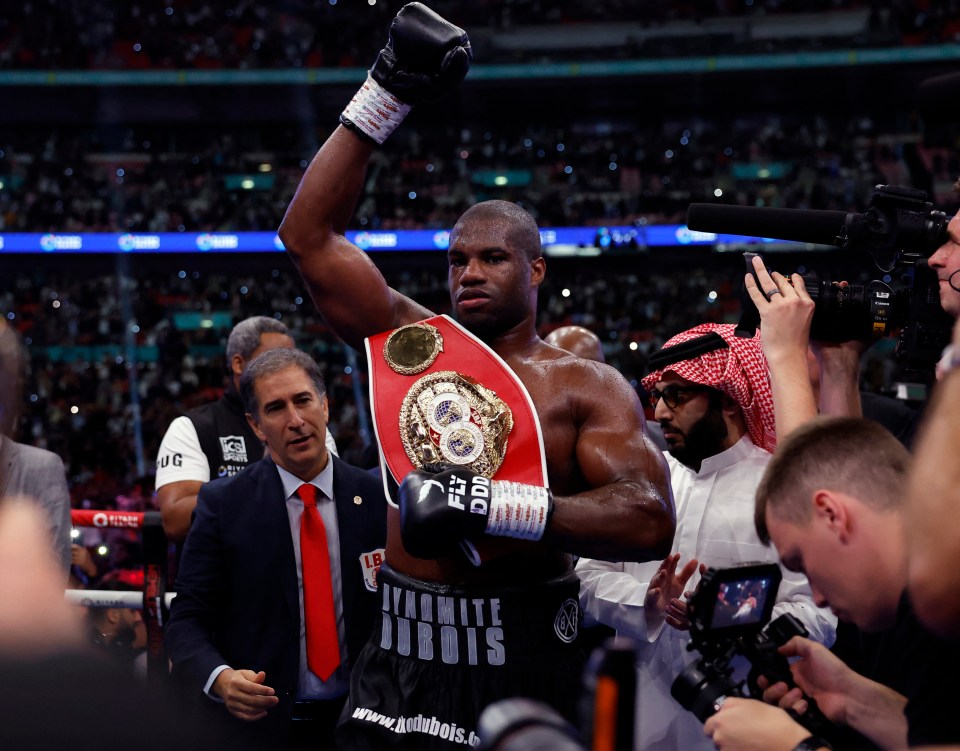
(438, 511)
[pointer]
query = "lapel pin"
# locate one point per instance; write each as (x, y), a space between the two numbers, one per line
(357, 500)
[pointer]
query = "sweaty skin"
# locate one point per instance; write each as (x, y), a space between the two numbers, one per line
(611, 488)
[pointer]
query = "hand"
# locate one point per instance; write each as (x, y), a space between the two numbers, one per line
(425, 56)
(664, 591)
(819, 674)
(785, 315)
(81, 558)
(750, 725)
(244, 693)
(438, 511)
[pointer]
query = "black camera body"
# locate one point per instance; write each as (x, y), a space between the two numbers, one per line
(730, 615)
(899, 230)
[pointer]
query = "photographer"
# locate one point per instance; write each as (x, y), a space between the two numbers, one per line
(831, 501)
(946, 262)
(712, 400)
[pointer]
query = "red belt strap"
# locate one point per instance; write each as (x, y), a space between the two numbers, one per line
(431, 349)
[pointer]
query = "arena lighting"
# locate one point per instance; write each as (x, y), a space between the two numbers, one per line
(555, 240)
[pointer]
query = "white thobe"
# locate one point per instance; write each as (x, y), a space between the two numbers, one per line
(715, 526)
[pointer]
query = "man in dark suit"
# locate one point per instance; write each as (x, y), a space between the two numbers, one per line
(238, 630)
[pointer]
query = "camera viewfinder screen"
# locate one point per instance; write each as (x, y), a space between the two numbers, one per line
(741, 602)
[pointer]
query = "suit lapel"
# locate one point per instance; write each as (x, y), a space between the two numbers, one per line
(268, 491)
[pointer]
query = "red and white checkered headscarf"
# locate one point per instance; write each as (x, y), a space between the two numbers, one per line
(738, 370)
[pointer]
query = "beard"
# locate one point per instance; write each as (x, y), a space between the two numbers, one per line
(124, 638)
(704, 439)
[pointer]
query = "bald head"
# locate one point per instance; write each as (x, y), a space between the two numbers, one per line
(517, 225)
(578, 341)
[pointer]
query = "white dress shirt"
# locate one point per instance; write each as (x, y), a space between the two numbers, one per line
(715, 526)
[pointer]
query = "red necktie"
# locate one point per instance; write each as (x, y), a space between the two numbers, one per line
(323, 646)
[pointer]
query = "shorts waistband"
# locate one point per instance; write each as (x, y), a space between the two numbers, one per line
(475, 626)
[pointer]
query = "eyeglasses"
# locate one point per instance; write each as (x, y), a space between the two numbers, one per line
(673, 395)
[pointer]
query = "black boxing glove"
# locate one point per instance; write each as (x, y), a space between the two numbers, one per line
(425, 56)
(439, 511)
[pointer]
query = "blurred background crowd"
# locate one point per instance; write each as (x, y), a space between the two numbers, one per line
(164, 34)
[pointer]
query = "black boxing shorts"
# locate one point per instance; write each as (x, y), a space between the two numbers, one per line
(440, 654)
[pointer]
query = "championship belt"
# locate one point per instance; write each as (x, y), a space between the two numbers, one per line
(440, 396)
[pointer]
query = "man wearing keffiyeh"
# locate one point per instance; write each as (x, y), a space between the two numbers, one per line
(711, 394)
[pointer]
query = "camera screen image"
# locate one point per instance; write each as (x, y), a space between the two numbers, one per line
(741, 602)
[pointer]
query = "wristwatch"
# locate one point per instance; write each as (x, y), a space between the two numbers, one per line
(812, 743)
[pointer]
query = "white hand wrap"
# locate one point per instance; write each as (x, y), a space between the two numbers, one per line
(375, 111)
(517, 510)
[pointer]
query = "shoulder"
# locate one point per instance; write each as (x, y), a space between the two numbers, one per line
(33, 454)
(561, 362)
(204, 410)
(349, 473)
(348, 477)
(246, 480)
(212, 412)
(181, 428)
(758, 457)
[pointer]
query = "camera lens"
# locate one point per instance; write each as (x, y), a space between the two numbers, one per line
(525, 725)
(699, 692)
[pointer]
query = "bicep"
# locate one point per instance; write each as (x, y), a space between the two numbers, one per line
(612, 444)
(626, 511)
(352, 295)
(173, 493)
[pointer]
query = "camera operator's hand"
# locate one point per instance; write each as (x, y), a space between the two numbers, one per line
(842, 695)
(818, 673)
(663, 601)
(786, 311)
(751, 725)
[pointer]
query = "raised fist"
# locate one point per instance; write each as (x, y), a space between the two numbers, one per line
(425, 56)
